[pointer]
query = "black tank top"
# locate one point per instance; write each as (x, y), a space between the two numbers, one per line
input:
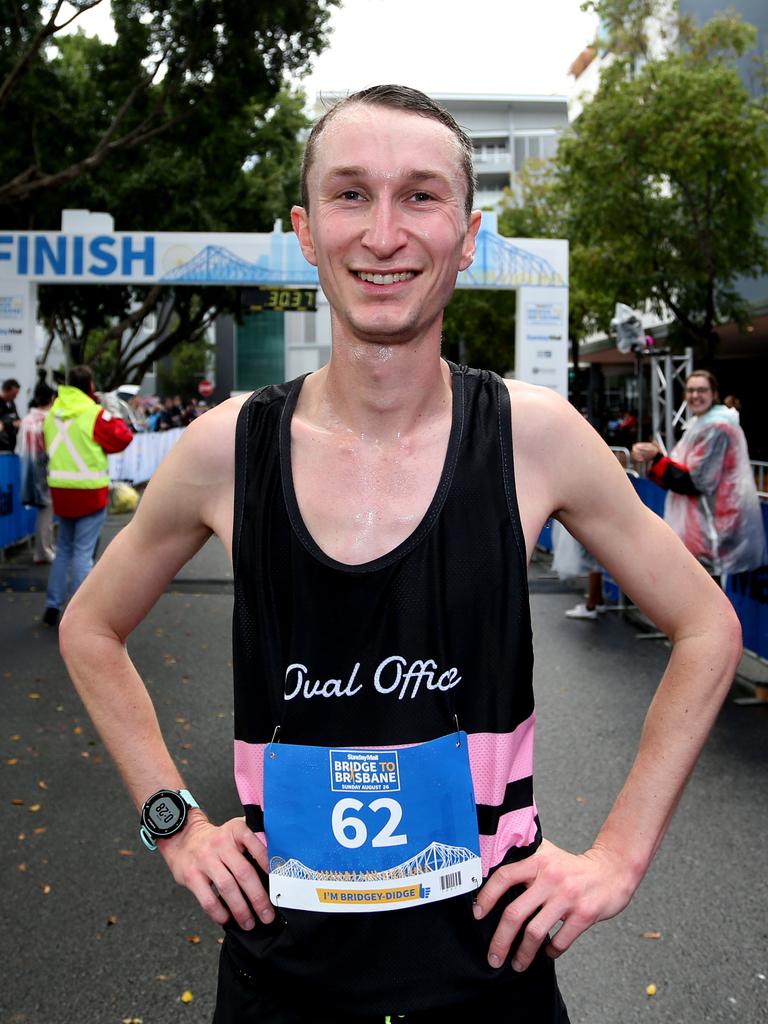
(438, 627)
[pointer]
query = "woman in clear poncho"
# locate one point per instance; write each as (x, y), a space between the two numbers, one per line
(712, 504)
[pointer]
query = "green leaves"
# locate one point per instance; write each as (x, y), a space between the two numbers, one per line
(663, 177)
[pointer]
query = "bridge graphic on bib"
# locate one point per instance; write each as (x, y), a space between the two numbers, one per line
(500, 263)
(434, 857)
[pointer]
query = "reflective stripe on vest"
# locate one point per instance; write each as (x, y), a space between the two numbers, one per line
(68, 455)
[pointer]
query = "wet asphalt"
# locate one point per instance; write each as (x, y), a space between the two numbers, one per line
(96, 932)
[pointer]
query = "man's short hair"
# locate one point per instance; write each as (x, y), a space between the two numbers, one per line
(81, 377)
(10, 383)
(394, 97)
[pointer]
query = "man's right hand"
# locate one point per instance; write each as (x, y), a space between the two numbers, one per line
(203, 855)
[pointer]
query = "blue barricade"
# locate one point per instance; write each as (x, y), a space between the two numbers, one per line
(16, 521)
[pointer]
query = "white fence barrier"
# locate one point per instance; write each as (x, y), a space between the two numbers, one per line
(143, 455)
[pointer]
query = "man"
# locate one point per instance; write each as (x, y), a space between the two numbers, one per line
(79, 435)
(712, 502)
(379, 525)
(9, 416)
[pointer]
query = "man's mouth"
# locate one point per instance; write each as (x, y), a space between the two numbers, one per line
(364, 275)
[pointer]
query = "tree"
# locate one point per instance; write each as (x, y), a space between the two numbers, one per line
(479, 329)
(176, 64)
(183, 123)
(663, 174)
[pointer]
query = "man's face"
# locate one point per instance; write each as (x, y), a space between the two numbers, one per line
(10, 394)
(698, 395)
(386, 227)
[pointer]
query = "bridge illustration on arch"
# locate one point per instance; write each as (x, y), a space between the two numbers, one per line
(216, 264)
(499, 263)
(434, 857)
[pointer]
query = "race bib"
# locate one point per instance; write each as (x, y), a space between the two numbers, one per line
(350, 829)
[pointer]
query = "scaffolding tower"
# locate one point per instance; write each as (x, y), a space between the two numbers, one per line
(668, 414)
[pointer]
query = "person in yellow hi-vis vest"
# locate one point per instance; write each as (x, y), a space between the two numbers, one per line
(79, 435)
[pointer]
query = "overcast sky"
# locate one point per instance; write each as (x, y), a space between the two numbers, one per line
(481, 46)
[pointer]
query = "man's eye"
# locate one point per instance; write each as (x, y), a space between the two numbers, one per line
(351, 194)
(421, 197)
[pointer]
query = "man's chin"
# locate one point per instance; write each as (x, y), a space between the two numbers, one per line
(391, 334)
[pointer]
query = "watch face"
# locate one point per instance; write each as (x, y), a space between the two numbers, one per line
(164, 813)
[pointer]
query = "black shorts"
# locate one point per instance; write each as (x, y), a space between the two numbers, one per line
(240, 1000)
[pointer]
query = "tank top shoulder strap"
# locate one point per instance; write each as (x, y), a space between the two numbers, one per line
(504, 406)
(252, 422)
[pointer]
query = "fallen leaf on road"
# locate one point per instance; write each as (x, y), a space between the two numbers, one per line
(12, 760)
(194, 939)
(125, 853)
(133, 1020)
(651, 935)
(651, 990)
(22, 867)
(78, 730)
(44, 888)
(39, 831)
(186, 997)
(42, 785)
(112, 919)
(15, 738)
(33, 696)
(17, 803)
(34, 808)
(162, 977)
(181, 721)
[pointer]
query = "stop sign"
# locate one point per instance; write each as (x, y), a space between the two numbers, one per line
(205, 388)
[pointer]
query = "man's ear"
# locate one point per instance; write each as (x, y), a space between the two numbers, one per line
(300, 221)
(470, 240)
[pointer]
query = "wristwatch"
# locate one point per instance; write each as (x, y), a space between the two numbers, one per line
(164, 814)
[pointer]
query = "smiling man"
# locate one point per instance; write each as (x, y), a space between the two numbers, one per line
(380, 514)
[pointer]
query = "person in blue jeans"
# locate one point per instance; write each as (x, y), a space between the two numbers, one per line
(79, 435)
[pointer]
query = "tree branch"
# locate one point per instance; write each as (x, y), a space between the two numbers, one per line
(21, 66)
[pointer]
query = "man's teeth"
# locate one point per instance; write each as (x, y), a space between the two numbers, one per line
(386, 278)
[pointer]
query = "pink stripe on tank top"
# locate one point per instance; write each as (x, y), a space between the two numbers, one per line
(497, 758)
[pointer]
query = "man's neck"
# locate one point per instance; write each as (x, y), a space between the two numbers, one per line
(379, 392)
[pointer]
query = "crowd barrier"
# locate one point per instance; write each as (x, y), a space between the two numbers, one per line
(143, 455)
(748, 591)
(135, 465)
(16, 521)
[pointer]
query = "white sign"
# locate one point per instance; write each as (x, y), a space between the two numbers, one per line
(541, 353)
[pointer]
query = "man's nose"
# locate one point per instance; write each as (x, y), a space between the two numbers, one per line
(384, 233)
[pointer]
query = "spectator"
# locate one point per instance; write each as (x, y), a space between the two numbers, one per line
(732, 402)
(79, 435)
(9, 416)
(712, 504)
(34, 469)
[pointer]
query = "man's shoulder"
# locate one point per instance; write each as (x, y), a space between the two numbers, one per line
(538, 412)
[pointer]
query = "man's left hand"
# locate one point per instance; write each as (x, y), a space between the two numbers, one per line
(577, 889)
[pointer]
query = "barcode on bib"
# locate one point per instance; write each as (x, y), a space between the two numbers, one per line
(450, 881)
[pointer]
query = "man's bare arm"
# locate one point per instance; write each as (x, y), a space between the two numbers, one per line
(189, 498)
(563, 467)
